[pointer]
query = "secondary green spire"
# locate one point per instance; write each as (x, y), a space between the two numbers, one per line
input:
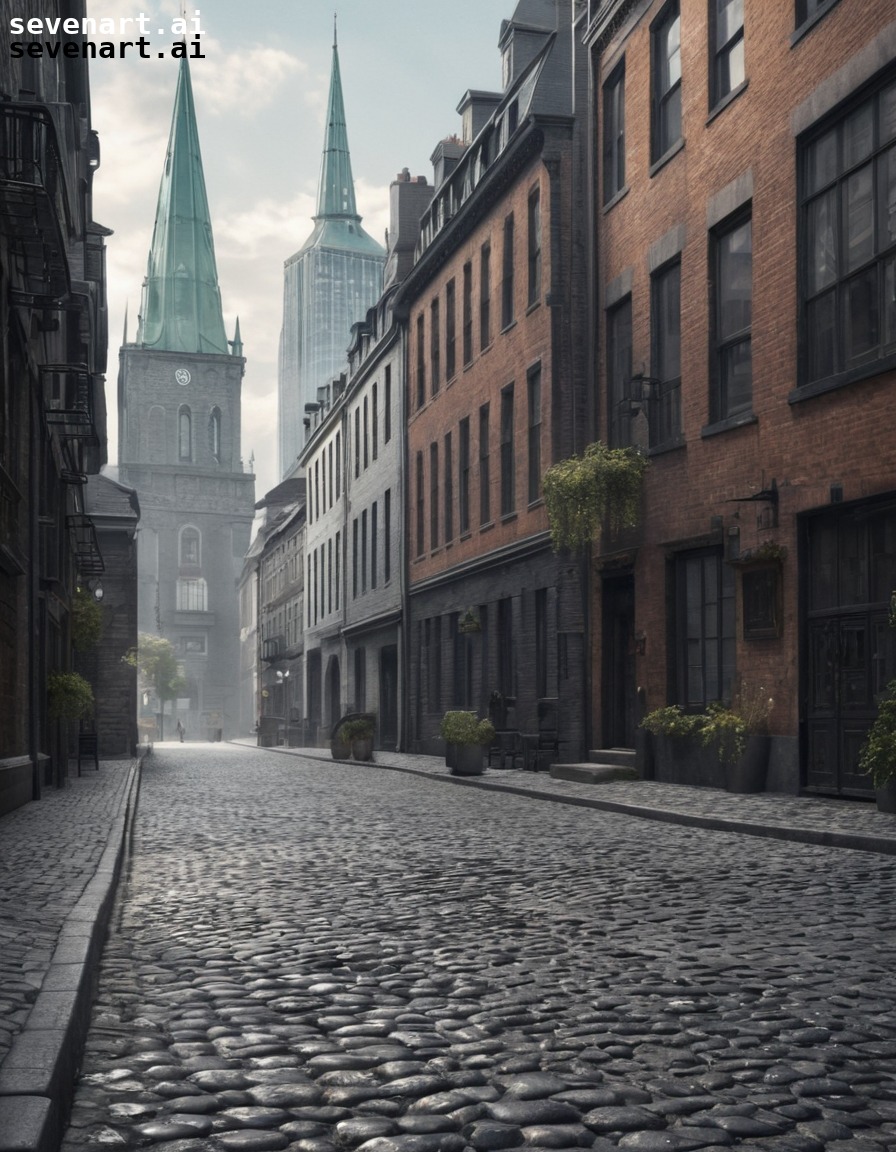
(336, 191)
(181, 301)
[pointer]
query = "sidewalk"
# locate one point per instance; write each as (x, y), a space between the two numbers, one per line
(59, 864)
(837, 823)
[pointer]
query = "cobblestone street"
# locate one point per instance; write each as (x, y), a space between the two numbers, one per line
(321, 957)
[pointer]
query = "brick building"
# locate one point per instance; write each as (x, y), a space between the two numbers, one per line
(52, 402)
(744, 177)
(494, 395)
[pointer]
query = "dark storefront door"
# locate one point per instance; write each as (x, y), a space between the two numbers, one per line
(389, 696)
(619, 661)
(851, 649)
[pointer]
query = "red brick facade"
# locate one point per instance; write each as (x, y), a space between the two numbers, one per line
(811, 447)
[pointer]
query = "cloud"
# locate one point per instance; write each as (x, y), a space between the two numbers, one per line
(243, 82)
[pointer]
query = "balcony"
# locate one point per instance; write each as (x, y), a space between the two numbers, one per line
(84, 545)
(69, 402)
(36, 209)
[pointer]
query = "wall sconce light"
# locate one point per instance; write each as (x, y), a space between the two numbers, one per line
(642, 390)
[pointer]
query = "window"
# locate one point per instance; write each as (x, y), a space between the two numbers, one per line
(508, 464)
(189, 548)
(373, 544)
(357, 442)
(308, 595)
(435, 366)
(665, 411)
(338, 464)
(330, 474)
(704, 628)
(214, 433)
(506, 670)
(614, 133)
(387, 535)
(364, 551)
(485, 257)
(449, 490)
(434, 495)
(666, 81)
(329, 576)
(184, 434)
(355, 556)
(463, 470)
(337, 578)
(507, 282)
(420, 505)
(534, 246)
(450, 331)
(317, 489)
(375, 421)
(421, 366)
(366, 433)
(848, 218)
(467, 308)
(727, 30)
(541, 643)
(192, 595)
(485, 495)
(387, 409)
(733, 368)
(808, 9)
(534, 395)
(619, 373)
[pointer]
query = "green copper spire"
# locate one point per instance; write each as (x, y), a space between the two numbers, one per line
(181, 301)
(336, 192)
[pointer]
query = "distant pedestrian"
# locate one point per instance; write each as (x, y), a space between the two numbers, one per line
(180, 731)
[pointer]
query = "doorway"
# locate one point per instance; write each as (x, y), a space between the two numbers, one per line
(389, 697)
(618, 672)
(850, 575)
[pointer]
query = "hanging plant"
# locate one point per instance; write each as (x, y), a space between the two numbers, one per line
(580, 493)
(69, 696)
(87, 620)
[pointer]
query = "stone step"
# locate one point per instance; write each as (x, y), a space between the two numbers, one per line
(623, 757)
(594, 773)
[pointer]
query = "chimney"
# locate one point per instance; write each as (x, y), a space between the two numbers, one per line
(408, 200)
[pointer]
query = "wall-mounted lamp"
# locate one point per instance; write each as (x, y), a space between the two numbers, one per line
(642, 390)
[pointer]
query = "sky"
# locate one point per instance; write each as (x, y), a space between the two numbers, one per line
(261, 96)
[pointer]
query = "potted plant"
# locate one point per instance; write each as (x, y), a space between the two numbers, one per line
(466, 738)
(878, 757)
(359, 734)
(675, 751)
(583, 491)
(340, 746)
(739, 734)
(69, 696)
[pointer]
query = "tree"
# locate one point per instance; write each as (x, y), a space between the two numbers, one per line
(156, 664)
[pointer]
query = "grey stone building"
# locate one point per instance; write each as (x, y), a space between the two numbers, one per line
(329, 283)
(354, 465)
(179, 442)
(53, 341)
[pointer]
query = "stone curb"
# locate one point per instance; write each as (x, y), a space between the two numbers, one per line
(856, 841)
(37, 1076)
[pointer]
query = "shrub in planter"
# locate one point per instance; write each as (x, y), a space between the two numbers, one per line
(359, 734)
(466, 738)
(878, 757)
(69, 696)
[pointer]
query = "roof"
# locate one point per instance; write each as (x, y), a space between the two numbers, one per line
(181, 308)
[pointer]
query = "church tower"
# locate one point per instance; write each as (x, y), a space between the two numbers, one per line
(329, 284)
(179, 444)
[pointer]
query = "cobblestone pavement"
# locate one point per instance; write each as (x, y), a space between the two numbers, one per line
(326, 958)
(48, 854)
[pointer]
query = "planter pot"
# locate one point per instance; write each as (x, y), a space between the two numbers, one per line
(450, 753)
(684, 760)
(469, 760)
(362, 749)
(748, 773)
(340, 751)
(886, 797)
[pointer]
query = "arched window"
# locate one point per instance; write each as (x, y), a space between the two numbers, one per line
(214, 433)
(184, 434)
(190, 550)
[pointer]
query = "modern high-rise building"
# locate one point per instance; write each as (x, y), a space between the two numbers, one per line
(179, 443)
(328, 285)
